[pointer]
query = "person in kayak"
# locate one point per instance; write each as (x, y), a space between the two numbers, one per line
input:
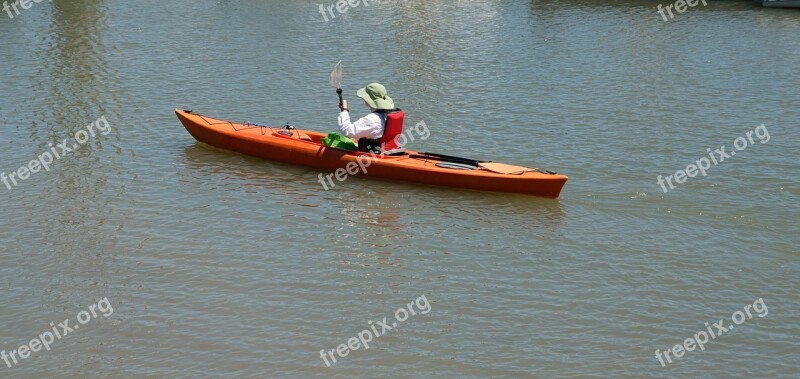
(369, 129)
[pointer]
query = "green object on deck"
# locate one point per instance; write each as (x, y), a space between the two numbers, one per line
(339, 141)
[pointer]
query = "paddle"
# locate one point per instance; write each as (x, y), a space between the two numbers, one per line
(500, 168)
(335, 79)
(445, 158)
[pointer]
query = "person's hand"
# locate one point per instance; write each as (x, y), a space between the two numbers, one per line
(343, 106)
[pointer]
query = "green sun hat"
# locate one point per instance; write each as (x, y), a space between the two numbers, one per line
(375, 95)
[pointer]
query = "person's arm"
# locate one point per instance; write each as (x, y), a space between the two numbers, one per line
(359, 129)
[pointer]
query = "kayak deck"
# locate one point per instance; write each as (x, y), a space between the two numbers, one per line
(303, 147)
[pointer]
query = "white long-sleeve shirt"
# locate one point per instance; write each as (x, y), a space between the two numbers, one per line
(369, 126)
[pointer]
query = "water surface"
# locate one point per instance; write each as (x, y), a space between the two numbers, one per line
(222, 265)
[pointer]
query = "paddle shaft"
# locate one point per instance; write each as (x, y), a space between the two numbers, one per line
(445, 158)
(450, 158)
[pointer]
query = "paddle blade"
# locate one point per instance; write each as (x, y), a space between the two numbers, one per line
(335, 78)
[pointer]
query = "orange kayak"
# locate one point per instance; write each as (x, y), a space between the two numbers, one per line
(303, 147)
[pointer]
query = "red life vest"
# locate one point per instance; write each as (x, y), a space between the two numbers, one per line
(393, 129)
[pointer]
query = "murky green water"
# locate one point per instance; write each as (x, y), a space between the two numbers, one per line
(222, 265)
